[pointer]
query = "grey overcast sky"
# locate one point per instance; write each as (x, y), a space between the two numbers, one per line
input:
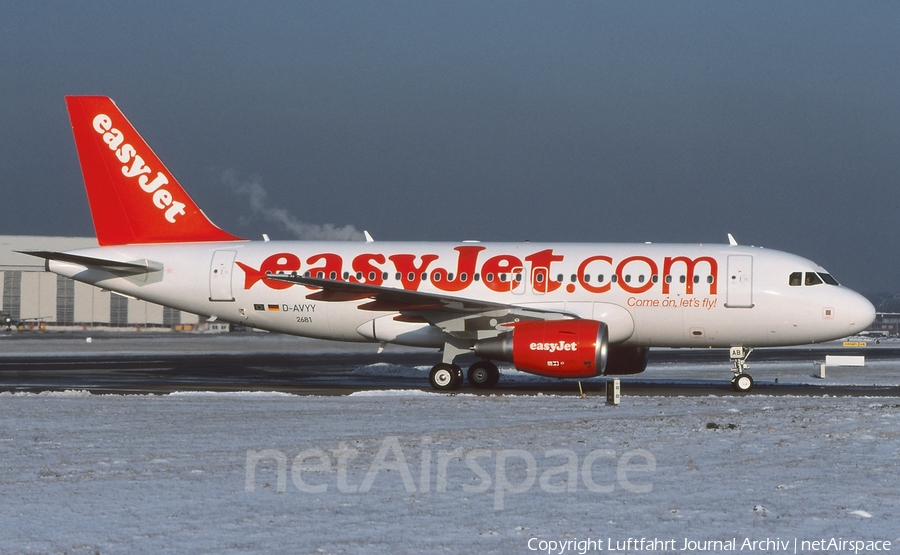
(560, 121)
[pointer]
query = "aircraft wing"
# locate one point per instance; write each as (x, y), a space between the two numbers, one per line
(459, 316)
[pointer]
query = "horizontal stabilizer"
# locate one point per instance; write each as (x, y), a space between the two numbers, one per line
(115, 266)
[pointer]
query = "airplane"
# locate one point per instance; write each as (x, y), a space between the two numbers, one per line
(573, 310)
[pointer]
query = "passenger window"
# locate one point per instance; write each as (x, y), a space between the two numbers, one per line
(654, 278)
(709, 279)
(559, 278)
(574, 278)
(641, 278)
(627, 278)
(813, 279)
(669, 279)
(489, 277)
(696, 279)
(614, 278)
(587, 278)
(681, 279)
(321, 275)
(539, 278)
(476, 277)
(795, 279)
(600, 278)
(332, 275)
(463, 277)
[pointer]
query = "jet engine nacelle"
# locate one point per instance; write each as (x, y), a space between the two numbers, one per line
(556, 349)
(626, 360)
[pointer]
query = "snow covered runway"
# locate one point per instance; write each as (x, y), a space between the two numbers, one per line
(410, 471)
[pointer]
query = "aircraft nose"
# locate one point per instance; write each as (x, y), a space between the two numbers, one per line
(859, 313)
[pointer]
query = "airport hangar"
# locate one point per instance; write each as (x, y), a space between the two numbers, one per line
(34, 299)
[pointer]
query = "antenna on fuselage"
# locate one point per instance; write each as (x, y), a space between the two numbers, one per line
(731, 240)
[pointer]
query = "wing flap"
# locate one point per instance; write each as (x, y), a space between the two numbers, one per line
(458, 316)
(388, 297)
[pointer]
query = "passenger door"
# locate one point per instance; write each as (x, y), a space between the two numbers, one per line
(740, 281)
(220, 276)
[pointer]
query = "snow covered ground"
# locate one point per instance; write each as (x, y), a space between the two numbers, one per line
(414, 471)
(410, 471)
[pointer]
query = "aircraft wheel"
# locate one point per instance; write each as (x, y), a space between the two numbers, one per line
(446, 377)
(460, 377)
(742, 383)
(484, 373)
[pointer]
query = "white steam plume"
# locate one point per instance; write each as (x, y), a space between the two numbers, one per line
(256, 195)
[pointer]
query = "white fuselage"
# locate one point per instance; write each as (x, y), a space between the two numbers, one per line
(673, 295)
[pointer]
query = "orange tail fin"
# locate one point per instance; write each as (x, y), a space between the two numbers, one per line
(134, 199)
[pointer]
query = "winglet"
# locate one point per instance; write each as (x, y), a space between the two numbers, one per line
(731, 240)
(133, 196)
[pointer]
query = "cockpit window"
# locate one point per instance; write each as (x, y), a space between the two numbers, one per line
(812, 278)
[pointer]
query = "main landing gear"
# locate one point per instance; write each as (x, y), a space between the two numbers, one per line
(483, 373)
(742, 382)
(449, 377)
(446, 377)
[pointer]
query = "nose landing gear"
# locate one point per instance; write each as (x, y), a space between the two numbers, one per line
(742, 382)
